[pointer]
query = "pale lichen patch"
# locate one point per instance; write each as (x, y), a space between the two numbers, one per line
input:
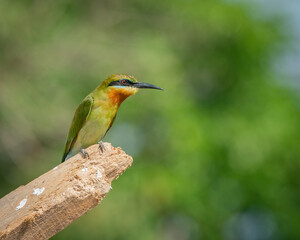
(21, 204)
(84, 169)
(38, 191)
(99, 175)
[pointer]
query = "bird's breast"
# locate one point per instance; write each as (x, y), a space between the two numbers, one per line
(96, 125)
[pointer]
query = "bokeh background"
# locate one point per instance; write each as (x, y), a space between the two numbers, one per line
(216, 156)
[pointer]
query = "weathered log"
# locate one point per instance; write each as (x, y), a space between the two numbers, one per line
(52, 201)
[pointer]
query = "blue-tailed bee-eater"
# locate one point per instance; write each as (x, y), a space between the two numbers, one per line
(97, 112)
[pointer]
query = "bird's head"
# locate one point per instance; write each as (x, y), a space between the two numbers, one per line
(121, 86)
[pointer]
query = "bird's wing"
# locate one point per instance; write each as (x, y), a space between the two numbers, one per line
(80, 117)
(111, 123)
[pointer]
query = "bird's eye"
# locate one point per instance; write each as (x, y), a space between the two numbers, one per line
(124, 81)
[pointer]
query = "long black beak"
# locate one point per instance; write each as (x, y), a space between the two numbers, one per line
(146, 85)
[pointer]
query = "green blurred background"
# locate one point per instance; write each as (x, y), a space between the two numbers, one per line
(216, 156)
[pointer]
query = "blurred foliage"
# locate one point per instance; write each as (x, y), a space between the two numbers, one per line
(216, 154)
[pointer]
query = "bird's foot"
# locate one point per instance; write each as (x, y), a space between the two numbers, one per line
(84, 153)
(101, 147)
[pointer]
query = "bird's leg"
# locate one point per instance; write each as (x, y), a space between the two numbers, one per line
(101, 146)
(84, 153)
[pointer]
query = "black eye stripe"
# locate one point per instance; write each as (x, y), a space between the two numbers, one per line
(114, 83)
(120, 83)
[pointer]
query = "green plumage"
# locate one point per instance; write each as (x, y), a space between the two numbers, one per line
(96, 113)
(80, 117)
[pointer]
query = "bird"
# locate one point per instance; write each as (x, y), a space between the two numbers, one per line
(96, 113)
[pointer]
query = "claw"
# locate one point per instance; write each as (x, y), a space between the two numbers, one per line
(101, 146)
(84, 153)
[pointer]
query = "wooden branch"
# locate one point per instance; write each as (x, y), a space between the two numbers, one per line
(51, 202)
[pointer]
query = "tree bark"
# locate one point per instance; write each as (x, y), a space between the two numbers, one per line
(52, 201)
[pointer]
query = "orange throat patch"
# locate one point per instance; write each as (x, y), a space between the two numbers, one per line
(118, 95)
